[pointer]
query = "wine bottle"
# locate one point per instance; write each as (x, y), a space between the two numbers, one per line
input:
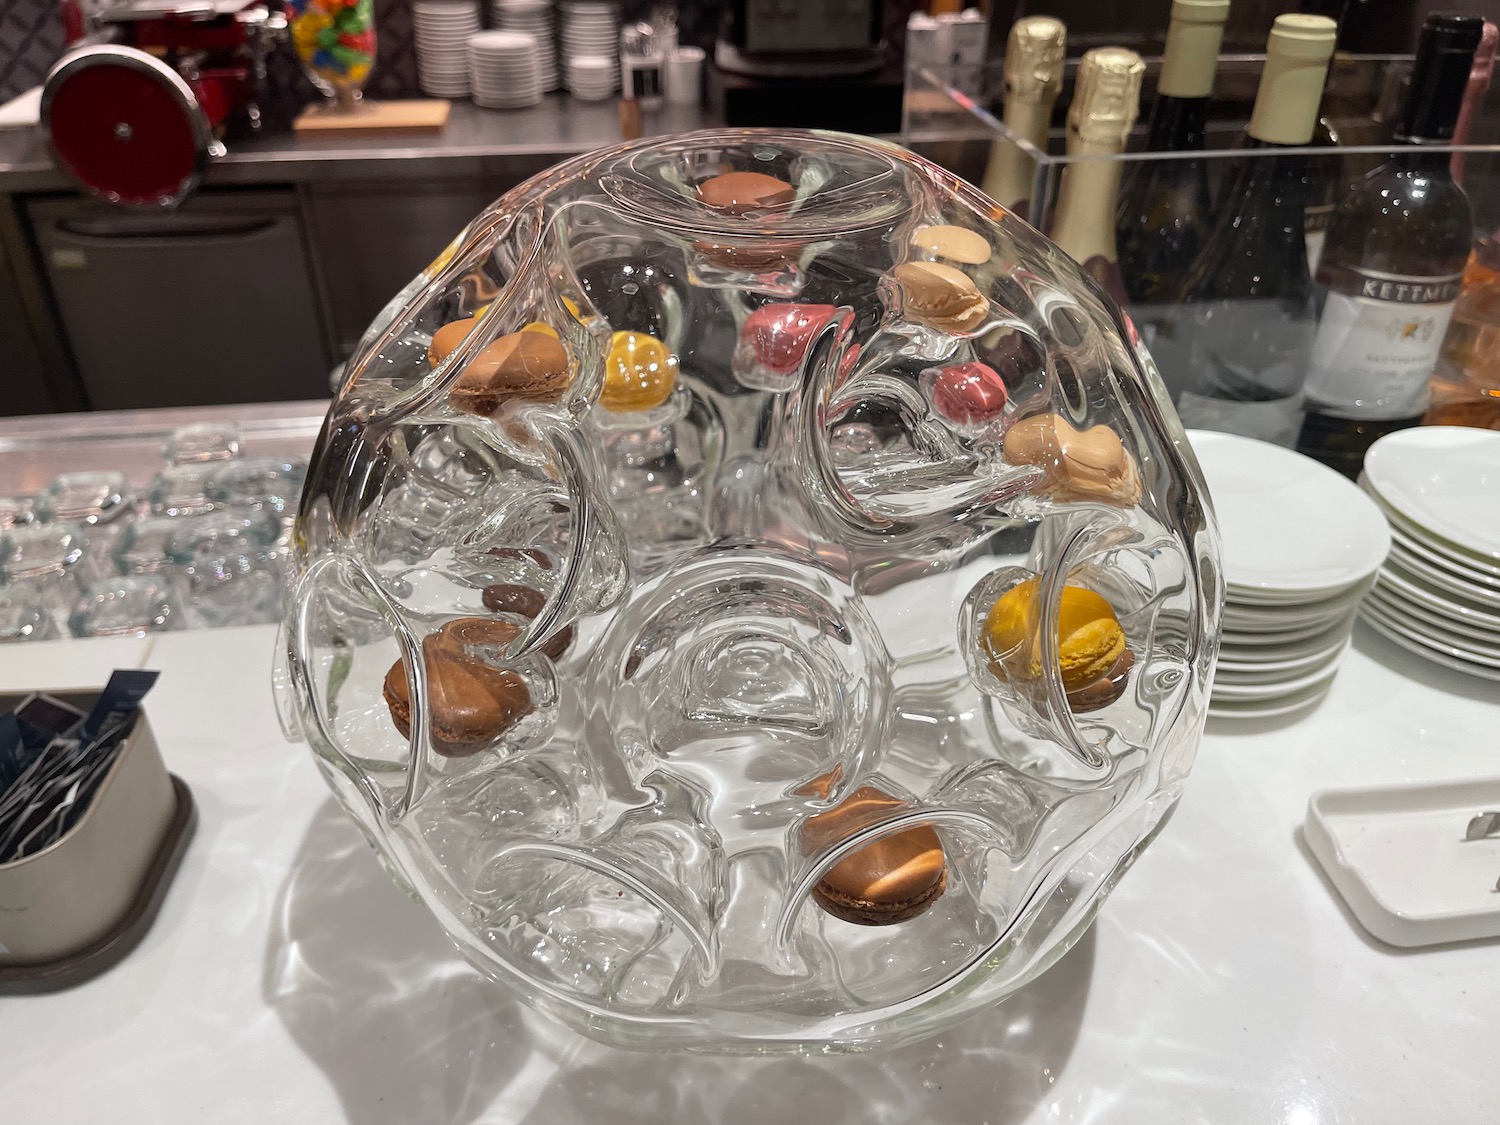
(1106, 97)
(1479, 85)
(1235, 355)
(1164, 208)
(1391, 266)
(1465, 385)
(1033, 78)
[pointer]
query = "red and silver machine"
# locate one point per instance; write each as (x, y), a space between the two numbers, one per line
(136, 110)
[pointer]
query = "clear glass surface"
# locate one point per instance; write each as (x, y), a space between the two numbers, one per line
(754, 615)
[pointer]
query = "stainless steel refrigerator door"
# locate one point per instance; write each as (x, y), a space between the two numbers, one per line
(212, 303)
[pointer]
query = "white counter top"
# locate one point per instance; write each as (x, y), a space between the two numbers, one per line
(287, 979)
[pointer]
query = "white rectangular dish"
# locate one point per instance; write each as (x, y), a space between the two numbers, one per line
(1399, 859)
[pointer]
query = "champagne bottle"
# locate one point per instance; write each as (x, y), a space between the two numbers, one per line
(1235, 355)
(1392, 263)
(1106, 97)
(1164, 211)
(1033, 78)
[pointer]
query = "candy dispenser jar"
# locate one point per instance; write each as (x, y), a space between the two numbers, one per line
(754, 592)
(335, 42)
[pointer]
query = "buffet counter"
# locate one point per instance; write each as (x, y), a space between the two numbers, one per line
(287, 979)
(475, 142)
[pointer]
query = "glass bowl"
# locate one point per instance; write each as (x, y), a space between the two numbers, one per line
(755, 592)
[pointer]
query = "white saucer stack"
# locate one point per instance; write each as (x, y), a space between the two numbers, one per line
(592, 28)
(591, 78)
(534, 17)
(503, 70)
(1301, 547)
(442, 30)
(1438, 594)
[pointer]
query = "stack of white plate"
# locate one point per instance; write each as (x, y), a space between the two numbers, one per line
(503, 70)
(442, 30)
(1438, 594)
(1301, 547)
(591, 78)
(591, 27)
(534, 17)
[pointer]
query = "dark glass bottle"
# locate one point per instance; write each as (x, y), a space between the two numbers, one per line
(1235, 354)
(1391, 267)
(1164, 211)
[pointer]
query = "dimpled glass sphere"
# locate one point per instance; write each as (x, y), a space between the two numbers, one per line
(752, 589)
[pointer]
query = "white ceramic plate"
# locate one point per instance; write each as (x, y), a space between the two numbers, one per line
(1394, 599)
(1443, 580)
(1443, 656)
(1289, 636)
(1404, 530)
(1269, 708)
(1455, 644)
(1278, 689)
(1414, 589)
(1261, 618)
(1438, 629)
(1282, 669)
(1273, 659)
(1482, 574)
(1287, 522)
(1398, 857)
(1461, 571)
(1445, 479)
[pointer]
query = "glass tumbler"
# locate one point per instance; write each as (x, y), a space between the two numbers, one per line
(47, 562)
(203, 441)
(235, 589)
(259, 483)
(182, 490)
(24, 615)
(123, 607)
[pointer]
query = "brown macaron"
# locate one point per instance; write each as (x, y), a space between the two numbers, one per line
(529, 365)
(472, 703)
(524, 601)
(1106, 689)
(890, 880)
(750, 256)
(739, 192)
(446, 339)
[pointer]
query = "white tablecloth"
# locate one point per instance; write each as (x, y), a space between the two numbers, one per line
(286, 979)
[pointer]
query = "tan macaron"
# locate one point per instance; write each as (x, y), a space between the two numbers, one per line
(940, 296)
(1080, 465)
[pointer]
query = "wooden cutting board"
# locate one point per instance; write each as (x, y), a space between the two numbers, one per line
(417, 115)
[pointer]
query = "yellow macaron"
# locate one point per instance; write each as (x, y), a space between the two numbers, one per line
(1090, 641)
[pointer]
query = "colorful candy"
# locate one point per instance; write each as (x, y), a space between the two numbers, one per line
(335, 39)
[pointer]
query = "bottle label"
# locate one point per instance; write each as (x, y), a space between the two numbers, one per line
(1377, 343)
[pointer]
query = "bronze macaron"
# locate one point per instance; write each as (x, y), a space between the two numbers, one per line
(891, 880)
(472, 702)
(524, 601)
(528, 365)
(739, 192)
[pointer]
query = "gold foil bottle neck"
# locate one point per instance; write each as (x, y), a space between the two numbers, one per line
(1034, 55)
(1106, 96)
